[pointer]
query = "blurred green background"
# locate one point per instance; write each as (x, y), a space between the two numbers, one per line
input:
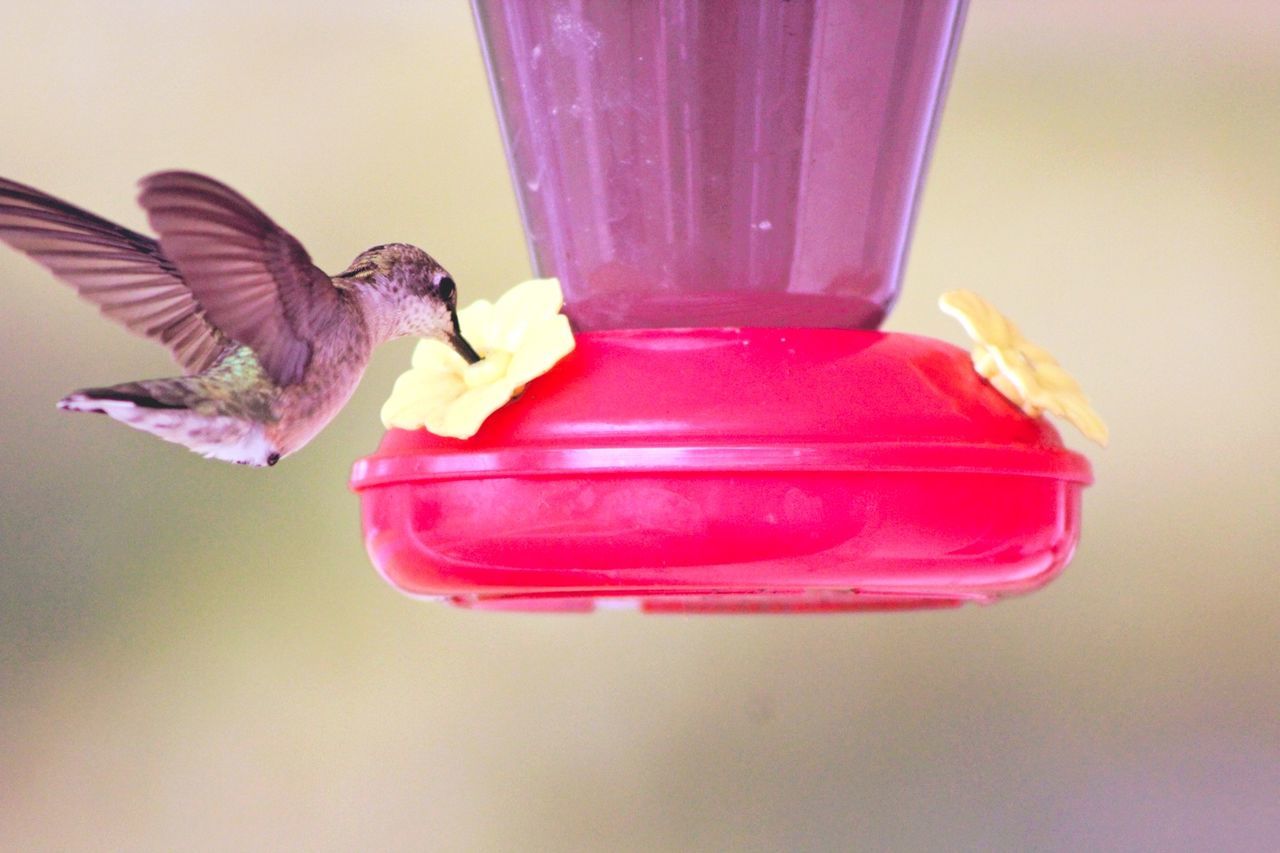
(195, 656)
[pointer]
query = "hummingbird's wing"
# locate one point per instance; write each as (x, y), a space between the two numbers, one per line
(122, 272)
(253, 279)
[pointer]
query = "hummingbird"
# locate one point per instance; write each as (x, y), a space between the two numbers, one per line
(271, 347)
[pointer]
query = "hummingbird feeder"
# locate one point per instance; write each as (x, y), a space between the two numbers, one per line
(726, 192)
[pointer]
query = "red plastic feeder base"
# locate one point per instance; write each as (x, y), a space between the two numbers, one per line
(732, 470)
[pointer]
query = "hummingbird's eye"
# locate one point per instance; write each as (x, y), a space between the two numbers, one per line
(447, 289)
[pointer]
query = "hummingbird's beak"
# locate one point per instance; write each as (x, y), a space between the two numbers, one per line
(459, 343)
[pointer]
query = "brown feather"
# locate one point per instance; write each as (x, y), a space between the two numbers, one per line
(121, 271)
(253, 279)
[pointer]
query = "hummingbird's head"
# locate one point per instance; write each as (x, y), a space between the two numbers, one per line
(405, 291)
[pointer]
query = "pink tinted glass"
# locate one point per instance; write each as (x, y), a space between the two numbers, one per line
(719, 162)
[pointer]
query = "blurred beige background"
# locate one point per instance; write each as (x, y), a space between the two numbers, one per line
(194, 656)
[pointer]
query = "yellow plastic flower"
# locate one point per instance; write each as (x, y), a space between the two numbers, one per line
(519, 338)
(1026, 374)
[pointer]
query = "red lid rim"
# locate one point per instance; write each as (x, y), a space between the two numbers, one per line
(847, 457)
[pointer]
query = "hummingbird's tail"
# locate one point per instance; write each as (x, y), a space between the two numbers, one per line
(172, 410)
